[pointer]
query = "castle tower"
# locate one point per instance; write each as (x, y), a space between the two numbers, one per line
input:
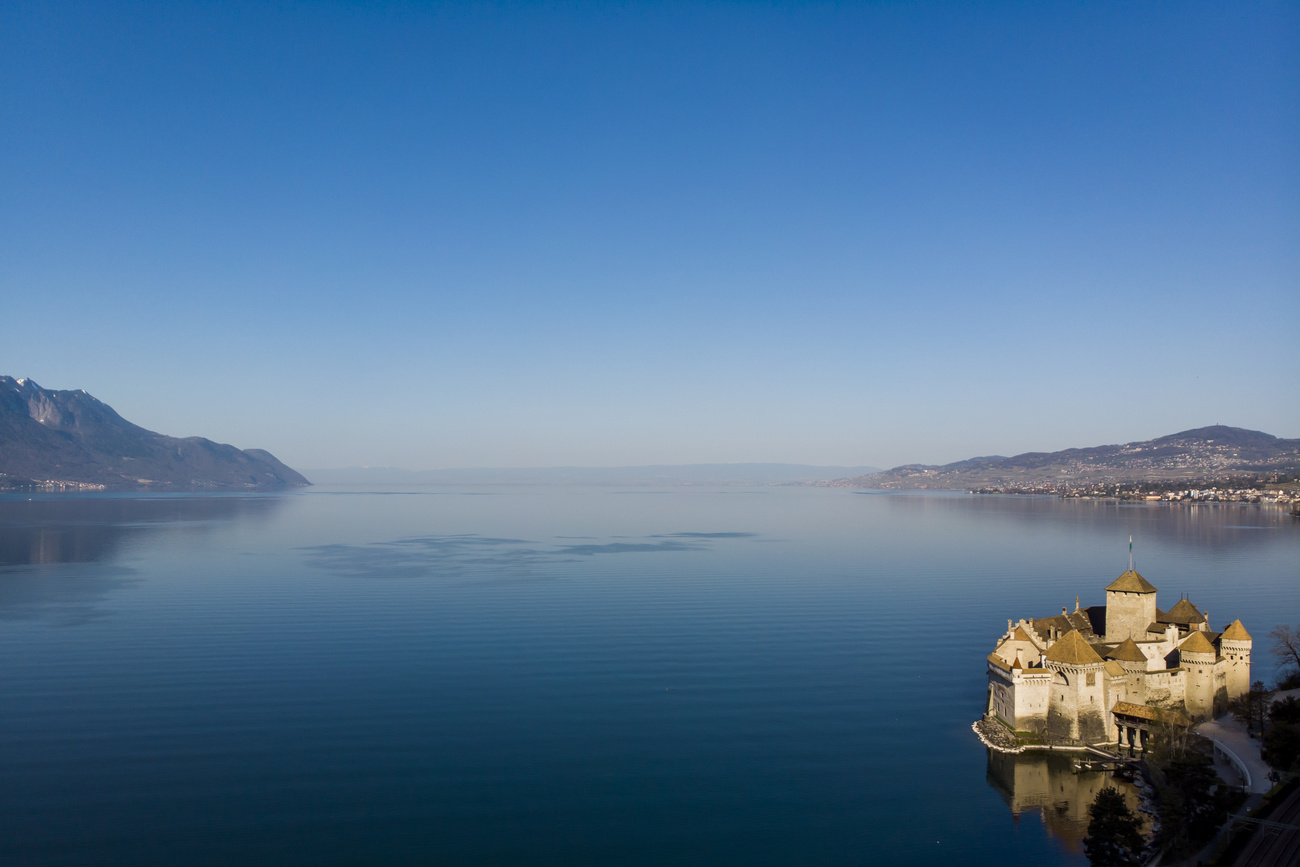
(1076, 704)
(1234, 647)
(1130, 607)
(1196, 657)
(1134, 662)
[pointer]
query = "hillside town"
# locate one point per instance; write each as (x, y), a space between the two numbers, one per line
(1283, 496)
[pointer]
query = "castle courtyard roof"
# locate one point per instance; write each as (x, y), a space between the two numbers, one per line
(1128, 651)
(1131, 582)
(1236, 632)
(1196, 643)
(1072, 649)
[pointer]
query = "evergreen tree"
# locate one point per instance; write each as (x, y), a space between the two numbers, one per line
(1114, 833)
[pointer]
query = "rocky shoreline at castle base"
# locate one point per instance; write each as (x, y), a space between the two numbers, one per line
(996, 736)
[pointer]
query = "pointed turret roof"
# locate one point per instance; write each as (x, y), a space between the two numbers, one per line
(1127, 651)
(1184, 612)
(1196, 643)
(1071, 649)
(1131, 582)
(1236, 632)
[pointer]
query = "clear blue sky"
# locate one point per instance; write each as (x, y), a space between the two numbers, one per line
(501, 235)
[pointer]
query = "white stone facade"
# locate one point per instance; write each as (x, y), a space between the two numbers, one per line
(1062, 676)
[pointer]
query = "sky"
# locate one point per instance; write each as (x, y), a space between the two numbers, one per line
(595, 234)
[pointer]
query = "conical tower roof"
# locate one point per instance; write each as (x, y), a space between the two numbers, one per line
(1196, 643)
(1236, 632)
(1072, 649)
(1127, 651)
(1131, 582)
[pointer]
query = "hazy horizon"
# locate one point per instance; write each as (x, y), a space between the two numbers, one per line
(609, 236)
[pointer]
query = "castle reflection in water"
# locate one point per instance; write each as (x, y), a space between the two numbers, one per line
(1047, 784)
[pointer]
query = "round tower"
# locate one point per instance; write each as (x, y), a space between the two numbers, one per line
(1234, 648)
(1196, 658)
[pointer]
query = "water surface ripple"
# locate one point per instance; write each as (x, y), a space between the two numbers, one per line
(552, 675)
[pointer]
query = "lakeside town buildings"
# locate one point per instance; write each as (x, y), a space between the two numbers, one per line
(1108, 673)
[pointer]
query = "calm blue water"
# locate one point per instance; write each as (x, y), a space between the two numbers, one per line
(552, 675)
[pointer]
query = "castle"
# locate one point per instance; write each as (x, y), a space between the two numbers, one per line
(1110, 673)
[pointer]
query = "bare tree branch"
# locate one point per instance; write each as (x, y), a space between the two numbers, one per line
(1286, 645)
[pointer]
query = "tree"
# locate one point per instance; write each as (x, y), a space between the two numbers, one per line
(1286, 646)
(1286, 711)
(1281, 747)
(1114, 833)
(1252, 707)
(1192, 804)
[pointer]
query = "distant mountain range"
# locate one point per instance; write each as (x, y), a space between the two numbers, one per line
(68, 440)
(667, 474)
(1204, 454)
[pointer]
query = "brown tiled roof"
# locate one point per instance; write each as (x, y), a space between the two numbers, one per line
(1071, 649)
(1184, 613)
(1196, 643)
(1128, 651)
(1064, 623)
(1236, 632)
(1151, 714)
(1139, 711)
(1080, 621)
(1043, 624)
(1131, 582)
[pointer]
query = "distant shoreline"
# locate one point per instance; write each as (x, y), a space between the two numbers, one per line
(1162, 493)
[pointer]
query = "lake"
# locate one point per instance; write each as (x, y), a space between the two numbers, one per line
(558, 675)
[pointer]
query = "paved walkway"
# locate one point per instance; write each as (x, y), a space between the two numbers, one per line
(1230, 736)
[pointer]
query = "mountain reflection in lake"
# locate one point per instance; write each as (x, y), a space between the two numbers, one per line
(86, 536)
(82, 529)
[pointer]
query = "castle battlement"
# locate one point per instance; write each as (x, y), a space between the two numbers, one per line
(1102, 674)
